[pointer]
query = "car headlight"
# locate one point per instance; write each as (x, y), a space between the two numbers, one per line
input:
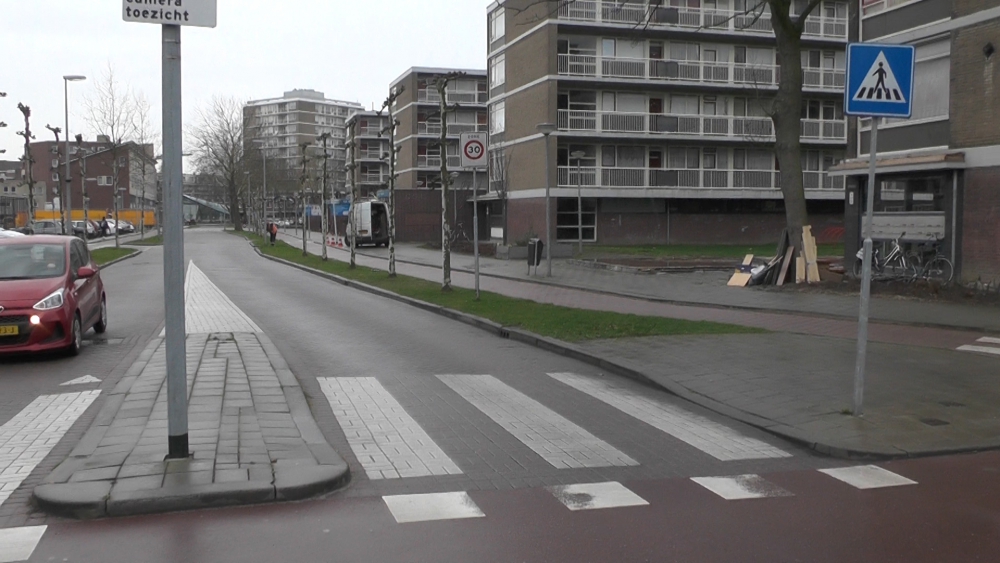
(53, 301)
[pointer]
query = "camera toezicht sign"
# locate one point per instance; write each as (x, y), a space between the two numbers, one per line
(197, 13)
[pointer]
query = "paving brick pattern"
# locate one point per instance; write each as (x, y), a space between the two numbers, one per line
(557, 439)
(208, 310)
(386, 440)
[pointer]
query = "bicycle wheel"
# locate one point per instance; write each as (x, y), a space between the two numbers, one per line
(940, 270)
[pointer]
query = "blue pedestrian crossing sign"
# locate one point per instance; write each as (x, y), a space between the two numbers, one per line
(879, 80)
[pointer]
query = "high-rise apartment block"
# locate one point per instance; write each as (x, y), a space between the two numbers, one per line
(300, 116)
(368, 150)
(660, 117)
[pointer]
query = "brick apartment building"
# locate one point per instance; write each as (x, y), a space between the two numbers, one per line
(938, 173)
(657, 115)
(370, 148)
(136, 173)
(13, 193)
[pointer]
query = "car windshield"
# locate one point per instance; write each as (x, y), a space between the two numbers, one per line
(31, 261)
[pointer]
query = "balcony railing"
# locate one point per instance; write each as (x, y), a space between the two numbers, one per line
(742, 74)
(369, 154)
(369, 131)
(372, 179)
(453, 97)
(724, 126)
(435, 162)
(425, 128)
(590, 177)
(636, 13)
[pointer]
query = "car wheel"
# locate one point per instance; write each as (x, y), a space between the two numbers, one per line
(77, 344)
(102, 325)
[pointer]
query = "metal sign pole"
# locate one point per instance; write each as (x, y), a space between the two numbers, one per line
(475, 226)
(173, 245)
(866, 278)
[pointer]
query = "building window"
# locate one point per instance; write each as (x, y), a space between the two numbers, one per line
(498, 71)
(498, 117)
(931, 88)
(569, 220)
(498, 25)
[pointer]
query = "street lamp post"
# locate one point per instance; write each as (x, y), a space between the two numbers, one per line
(261, 144)
(546, 130)
(578, 155)
(67, 196)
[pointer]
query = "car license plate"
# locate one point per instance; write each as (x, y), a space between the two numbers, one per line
(9, 330)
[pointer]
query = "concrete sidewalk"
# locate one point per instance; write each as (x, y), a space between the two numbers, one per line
(708, 288)
(923, 396)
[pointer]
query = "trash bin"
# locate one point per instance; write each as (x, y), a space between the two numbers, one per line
(535, 248)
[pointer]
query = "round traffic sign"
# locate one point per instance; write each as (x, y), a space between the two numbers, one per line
(474, 150)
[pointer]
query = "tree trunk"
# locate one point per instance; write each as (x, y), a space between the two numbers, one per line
(392, 189)
(445, 184)
(787, 118)
(234, 208)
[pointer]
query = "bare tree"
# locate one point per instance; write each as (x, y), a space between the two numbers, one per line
(441, 85)
(29, 163)
(145, 134)
(219, 149)
(499, 180)
(389, 107)
(111, 112)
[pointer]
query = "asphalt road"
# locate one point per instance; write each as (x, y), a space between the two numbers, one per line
(489, 422)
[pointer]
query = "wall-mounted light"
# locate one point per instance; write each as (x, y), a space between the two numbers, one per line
(988, 50)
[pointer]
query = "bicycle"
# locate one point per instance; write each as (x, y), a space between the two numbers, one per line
(896, 265)
(938, 269)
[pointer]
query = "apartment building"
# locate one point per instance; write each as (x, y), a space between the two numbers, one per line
(370, 147)
(938, 172)
(660, 120)
(297, 118)
(13, 194)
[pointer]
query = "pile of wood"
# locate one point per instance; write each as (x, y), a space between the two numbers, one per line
(779, 270)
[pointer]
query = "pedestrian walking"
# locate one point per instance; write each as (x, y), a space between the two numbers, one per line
(105, 228)
(273, 230)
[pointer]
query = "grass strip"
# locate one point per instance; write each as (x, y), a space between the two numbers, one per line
(156, 240)
(102, 256)
(703, 251)
(564, 323)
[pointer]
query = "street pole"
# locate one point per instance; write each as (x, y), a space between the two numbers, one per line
(866, 279)
(173, 245)
(67, 187)
(546, 130)
(305, 219)
(578, 155)
(475, 226)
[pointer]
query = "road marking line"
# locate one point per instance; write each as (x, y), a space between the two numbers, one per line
(432, 506)
(208, 310)
(388, 443)
(714, 439)
(558, 440)
(592, 496)
(868, 477)
(17, 544)
(81, 381)
(28, 437)
(989, 340)
(983, 349)
(741, 487)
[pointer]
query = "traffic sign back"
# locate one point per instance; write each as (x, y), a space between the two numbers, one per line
(879, 80)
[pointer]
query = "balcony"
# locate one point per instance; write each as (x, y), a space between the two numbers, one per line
(716, 126)
(695, 19)
(702, 72)
(370, 154)
(373, 179)
(454, 129)
(453, 97)
(369, 131)
(454, 162)
(688, 178)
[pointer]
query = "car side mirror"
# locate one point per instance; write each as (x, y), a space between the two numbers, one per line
(86, 272)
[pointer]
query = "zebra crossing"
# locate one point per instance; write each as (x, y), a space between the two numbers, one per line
(597, 496)
(993, 348)
(390, 444)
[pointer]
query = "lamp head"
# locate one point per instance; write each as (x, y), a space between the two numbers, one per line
(546, 128)
(74, 77)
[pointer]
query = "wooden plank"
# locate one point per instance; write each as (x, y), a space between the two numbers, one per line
(809, 250)
(786, 265)
(739, 279)
(800, 270)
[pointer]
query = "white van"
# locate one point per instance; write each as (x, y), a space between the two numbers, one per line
(370, 220)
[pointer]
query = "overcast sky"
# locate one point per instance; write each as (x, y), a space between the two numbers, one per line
(348, 49)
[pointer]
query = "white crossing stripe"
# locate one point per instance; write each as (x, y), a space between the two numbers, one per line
(710, 437)
(989, 340)
(17, 544)
(741, 487)
(591, 496)
(388, 443)
(559, 441)
(432, 506)
(880, 83)
(27, 438)
(208, 310)
(868, 477)
(81, 381)
(982, 349)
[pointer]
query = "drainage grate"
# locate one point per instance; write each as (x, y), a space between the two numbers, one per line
(951, 404)
(934, 422)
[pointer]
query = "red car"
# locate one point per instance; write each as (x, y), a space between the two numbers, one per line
(50, 294)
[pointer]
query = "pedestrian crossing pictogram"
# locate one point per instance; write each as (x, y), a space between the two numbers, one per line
(880, 84)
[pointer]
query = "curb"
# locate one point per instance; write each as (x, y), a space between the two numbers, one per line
(650, 271)
(574, 352)
(137, 252)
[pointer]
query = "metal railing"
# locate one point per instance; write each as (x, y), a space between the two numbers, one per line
(669, 70)
(658, 16)
(756, 128)
(455, 129)
(369, 131)
(592, 177)
(435, 162)
(453, 97)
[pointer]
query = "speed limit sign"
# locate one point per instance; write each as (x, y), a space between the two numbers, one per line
(473, 148)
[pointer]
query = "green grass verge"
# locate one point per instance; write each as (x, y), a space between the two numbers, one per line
(156, 240)
(564, 323)
(104, 255)
(702, 251)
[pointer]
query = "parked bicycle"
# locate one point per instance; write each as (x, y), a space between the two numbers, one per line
(936, 267)
(895, 265)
